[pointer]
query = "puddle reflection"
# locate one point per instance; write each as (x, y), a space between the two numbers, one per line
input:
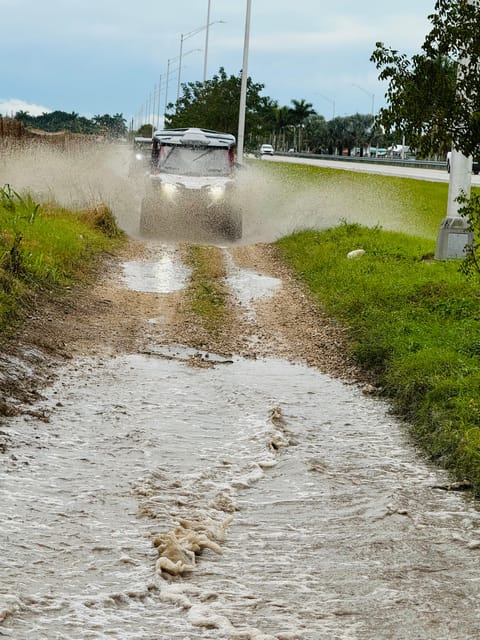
(165, 275)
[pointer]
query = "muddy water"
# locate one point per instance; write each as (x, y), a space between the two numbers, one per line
(338, 530)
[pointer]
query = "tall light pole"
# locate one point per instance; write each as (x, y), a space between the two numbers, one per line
(185, 36)
(243, 86)
(369, 93)
(207, 31)
(166, 86)
(180, 67)
(158, 103)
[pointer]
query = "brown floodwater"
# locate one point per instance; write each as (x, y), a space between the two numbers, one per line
(338, 526)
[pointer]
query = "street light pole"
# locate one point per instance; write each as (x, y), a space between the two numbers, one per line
(183, 37)
(158, 103)
(369, 93)
(243, 87)
(207, 30)
(166, 86)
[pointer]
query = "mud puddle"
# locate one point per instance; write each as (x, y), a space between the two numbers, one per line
(337, 530)
(165, 274)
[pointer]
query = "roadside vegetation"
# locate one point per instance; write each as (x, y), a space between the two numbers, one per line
(414, 323)
(45, 248)
(207, 292)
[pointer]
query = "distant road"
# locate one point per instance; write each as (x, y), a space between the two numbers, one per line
(417, 173)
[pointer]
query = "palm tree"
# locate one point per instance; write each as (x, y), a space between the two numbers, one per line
(300, 112)
(282, 120)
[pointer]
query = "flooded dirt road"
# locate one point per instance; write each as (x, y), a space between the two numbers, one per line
(315, 517)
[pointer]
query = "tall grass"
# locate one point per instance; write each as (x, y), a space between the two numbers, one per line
(414, 324)
(44, 248)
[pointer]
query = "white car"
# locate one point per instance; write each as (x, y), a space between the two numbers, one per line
(266, 150)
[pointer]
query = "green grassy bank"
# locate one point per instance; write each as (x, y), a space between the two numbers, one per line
(414, 323)
(370, 199)
(45, 248)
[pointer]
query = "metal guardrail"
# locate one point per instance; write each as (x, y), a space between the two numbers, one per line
(407, 162)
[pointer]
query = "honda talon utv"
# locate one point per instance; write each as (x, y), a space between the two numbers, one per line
(191, 185)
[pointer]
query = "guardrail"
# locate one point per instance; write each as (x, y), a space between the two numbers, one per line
(407, 162)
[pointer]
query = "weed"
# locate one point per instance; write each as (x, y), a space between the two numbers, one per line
(470, 209)
(44, 247)
(208, 293)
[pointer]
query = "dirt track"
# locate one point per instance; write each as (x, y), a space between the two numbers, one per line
(105, 317)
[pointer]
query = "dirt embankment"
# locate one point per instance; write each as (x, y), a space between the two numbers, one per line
(105, 318)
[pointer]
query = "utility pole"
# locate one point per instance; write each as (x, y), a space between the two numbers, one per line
(207, 30)
(243, 87)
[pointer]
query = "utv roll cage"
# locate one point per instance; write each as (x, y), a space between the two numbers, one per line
(192, 138)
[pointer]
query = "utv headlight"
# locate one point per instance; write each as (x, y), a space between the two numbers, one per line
(217, 193)
(169, 190)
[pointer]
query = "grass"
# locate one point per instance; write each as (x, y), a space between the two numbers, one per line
(208, 293)
(46, 248)
(414, 323)
(394, 203)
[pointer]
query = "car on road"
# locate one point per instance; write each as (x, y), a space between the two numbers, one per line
(191, 185)
(266, 150)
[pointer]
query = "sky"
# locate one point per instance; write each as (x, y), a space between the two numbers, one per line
(112, 56)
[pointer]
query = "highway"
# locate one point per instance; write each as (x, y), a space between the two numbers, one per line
(417, 173)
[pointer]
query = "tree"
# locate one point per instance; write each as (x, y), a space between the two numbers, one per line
(214, 104)
(434, 98)
(316, 133)
(301, 111)
(55, 121)
(112, 126)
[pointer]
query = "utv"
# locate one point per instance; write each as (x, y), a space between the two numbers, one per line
(191, 184)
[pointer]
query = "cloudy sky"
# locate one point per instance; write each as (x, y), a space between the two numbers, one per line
(107, 56)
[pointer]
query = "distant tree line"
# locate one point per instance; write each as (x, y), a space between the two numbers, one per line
(55, 121)
(213, 104)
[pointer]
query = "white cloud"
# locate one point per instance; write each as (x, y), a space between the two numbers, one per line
(344, 33)
(12, 105)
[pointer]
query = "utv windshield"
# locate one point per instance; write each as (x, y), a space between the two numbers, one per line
(199, 161)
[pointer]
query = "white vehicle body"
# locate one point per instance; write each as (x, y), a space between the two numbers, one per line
(191, 180)
(267, 150)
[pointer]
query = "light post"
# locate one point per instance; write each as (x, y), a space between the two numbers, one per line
(369, 93)
(185, 36)
(243, 87)
(167, 75)
(158, 103)
(207, 31)
(166, 86)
